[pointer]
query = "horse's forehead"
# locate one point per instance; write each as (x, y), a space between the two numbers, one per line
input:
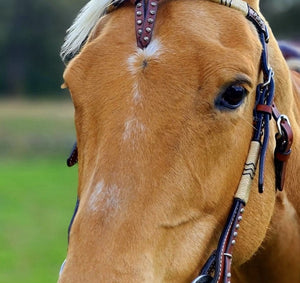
(180, 27)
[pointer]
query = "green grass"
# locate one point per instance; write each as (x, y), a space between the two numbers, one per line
(37, 190)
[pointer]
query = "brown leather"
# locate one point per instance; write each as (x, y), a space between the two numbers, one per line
(264, 108)
(144, 21)
(283, 148)
(230, 243)
(73, 158)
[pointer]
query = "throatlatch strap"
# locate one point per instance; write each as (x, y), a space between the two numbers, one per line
(72, 219)
(73, 157)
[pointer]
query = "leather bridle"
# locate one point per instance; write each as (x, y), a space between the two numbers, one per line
(218, 266)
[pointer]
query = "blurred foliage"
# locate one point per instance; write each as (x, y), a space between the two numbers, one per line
(32, 31)
(283, 17)
(37, 189)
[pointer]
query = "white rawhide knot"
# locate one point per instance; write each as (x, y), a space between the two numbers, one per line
(239, 5)
(249, 172)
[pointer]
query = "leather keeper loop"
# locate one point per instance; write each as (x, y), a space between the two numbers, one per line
(264, 109)
(283, 156)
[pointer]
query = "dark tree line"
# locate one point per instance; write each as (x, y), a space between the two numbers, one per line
(32, 31)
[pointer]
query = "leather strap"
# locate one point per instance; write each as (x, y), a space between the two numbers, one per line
(255, 18)
(73, 157)
(218, 267)
(284, 141)
(144, 21)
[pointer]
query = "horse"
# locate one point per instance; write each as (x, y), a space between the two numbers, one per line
(173, 112)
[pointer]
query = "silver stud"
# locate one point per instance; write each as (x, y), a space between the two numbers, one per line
(235, 234)
(140, 31)
(228, 275)
(150, 20)
(139, 22)
(233, 242)
(237, 226)
(139, 13)
(148, 29)
(152, 12)
(240, 218)
(139, 5)
(242, 210)
(146, 38)
(153, 4)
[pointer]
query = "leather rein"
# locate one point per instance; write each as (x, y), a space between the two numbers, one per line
(218, 267)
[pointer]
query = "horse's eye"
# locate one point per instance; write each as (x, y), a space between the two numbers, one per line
(231, 98)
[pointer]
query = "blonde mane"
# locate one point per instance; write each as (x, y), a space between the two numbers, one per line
(82, 26)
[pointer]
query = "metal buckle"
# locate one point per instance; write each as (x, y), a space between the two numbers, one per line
(280, 119)
(270, 76)
(203, 279)
(267, 35)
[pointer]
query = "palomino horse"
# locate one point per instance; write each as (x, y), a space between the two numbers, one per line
(165, 116)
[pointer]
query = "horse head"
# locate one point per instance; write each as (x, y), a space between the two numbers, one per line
(163, 133)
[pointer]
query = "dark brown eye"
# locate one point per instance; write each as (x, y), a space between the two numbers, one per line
(231, 98)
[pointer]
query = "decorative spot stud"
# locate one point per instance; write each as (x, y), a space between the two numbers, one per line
(233, 242)
(237, 227)
(235, 234)
(145, 15)
(242, 210)
(240, 218)
(228, 275)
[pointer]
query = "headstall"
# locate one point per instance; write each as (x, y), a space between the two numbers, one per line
(218, 266)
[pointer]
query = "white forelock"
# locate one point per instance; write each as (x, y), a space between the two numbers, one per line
(82, 26)
(94, 9)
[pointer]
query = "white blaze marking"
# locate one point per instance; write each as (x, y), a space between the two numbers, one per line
(104, 197)
(136, 94)
(152, 51)
(133, 128)
(94, 199)
(136, 63)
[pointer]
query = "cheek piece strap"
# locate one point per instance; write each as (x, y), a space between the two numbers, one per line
(218, 267)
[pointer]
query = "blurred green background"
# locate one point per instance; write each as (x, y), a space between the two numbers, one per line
(37, 190)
